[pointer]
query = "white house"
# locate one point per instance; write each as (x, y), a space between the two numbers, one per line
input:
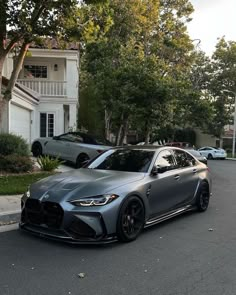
(45, 98)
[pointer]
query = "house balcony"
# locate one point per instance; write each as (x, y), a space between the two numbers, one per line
(46, 88)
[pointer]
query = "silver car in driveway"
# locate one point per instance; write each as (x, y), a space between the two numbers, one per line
(118, 194)
(74, 147)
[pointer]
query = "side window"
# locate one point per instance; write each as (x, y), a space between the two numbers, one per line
(71, 138)
(165, 160)
(183, 159)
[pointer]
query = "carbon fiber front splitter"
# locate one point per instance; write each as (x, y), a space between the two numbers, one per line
(62, 236)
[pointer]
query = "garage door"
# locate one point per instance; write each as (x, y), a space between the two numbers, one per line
(20, 122)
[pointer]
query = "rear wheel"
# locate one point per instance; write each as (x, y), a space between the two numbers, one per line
(81, 160)
(37, 149)
(131, 219)
(203, 198)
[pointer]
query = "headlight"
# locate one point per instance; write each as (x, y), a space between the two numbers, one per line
(94, 201)
(27, 193)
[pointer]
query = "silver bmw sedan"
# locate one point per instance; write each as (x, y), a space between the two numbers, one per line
(116, 195)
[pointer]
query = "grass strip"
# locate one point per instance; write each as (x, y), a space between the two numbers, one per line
(17, 184)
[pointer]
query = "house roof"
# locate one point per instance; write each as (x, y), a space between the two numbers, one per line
(21, 87)
(55, 44)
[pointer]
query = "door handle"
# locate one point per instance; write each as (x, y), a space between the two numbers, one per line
(176, 177)
(194, 170)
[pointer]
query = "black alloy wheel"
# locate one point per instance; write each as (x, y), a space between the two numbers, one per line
(203, 198)
(210, 157)
(81, 160)
(131, 219)
(37, 149)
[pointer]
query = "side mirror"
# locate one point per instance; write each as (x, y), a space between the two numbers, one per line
(55, 137)
(154, 171)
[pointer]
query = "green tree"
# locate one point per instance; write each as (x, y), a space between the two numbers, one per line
(136, 67)
(223, 86)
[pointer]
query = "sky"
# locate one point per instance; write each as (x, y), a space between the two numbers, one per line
(212, 19)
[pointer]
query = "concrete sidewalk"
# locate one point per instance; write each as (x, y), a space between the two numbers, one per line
(10, 206)
(9, 209)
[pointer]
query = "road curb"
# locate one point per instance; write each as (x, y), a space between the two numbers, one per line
(232, 159)
(10, 217)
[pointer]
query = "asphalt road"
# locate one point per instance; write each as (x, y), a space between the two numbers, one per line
(178, 257)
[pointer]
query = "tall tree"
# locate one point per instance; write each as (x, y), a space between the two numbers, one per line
(147, 42)
(223, 85)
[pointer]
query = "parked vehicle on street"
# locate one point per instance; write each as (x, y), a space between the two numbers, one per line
(116, 195)
(197, 155)
(213, 152)
(75, 147)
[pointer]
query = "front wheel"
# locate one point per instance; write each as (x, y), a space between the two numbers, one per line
(203, 198)
(131, 219)
(210, 157)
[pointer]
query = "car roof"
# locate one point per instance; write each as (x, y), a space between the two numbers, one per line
(139, 147)
(148, 147)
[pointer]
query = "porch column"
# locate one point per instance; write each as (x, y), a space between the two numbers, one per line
(72, 116)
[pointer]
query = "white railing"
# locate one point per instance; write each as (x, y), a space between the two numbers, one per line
(45, 88)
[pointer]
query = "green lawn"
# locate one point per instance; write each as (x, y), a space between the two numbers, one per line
(17, 184)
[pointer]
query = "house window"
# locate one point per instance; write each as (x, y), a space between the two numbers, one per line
(33, 71)
(46, 125)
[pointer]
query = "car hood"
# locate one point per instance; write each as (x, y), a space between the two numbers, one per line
(81, 183)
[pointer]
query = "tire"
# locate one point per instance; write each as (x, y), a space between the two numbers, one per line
(81, 159)
(210, 157)
(203, 197)
(131, 219)
(37, 149)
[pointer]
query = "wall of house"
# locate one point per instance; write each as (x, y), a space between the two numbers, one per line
(8, 66)
(55, 66)
(58, 109)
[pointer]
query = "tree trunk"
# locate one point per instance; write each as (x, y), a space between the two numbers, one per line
(119, 134)
(147, 132)
(16, 70)
(108, 116)
(2, 102)
(124, 131)
(2, 59)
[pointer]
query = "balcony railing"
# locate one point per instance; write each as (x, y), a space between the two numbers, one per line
(45, 88)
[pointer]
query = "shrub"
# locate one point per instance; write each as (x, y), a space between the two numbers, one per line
(11, 144)
(48, 164)
(15, 164)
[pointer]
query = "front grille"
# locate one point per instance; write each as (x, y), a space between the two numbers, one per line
(45, 213)
(53, 214)
(33, 211)
(33, 204)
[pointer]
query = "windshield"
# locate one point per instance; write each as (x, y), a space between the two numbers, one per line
(129, 160)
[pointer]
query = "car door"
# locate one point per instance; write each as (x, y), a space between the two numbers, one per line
(187, 170)
(164, 185)
(204, 151)
(60, 147)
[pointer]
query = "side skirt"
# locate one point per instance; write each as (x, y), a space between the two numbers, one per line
(168, 215)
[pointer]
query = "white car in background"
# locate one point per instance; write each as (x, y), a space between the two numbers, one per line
(213, 152)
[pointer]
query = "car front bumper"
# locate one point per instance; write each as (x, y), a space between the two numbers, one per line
(51, 220)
